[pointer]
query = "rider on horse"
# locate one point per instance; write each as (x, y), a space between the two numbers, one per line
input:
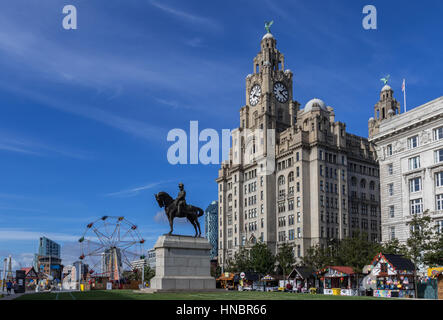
(181, 201)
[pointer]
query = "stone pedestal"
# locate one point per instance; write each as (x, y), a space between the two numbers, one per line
(182, 264)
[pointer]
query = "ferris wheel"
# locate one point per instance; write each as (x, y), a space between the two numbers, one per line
(109, 246)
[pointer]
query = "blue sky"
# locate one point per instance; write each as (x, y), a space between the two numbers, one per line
(84, 113)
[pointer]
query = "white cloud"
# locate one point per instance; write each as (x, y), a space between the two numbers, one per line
(135, 191)
(26, 235)
(188, 17)
(15, 143)
(161, 218)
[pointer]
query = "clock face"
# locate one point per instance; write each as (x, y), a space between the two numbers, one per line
(255, 94)
(280, 92)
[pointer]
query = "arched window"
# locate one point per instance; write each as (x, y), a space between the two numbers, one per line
(353, 181)
(363, 183)
(281, 180)
(372, 185)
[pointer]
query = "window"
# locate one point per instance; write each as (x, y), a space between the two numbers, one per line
(416, 206)
(291, 220)
(391, 211)
(291, 234)
(389, 150)
(439, 226)
(415, 185)
(392, 233)
(364, 209)
(391, 189)
(438, 133)
(291, 177)
(439, 179)
(414, 163)
(298, 232)
(413, 142)
(291, 205)
(298, 217)
(390, 169)
(438, 155)
(439, 199)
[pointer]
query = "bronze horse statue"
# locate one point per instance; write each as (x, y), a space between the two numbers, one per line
(192, 213)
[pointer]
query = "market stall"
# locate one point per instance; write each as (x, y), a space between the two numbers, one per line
(269, 283)
(31, 278)
(226, 281)
(393, 275)
(339, 280)
(302, 278)
(437, 274)
(247, 280)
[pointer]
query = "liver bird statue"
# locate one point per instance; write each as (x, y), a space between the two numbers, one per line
(268, 25)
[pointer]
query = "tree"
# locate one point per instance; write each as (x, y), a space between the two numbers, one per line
(136, 275)
(262, 259)
(394, 247)
(318, 257)
(434, 256)
(420, 237)
(241, 261)
(285, 258)
(419, 241)
(356, 252)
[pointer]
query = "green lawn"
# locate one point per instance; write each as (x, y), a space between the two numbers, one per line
(222, 295)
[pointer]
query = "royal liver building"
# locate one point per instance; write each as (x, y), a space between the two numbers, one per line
(322, 184)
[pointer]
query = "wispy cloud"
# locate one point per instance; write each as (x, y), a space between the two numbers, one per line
(26, 235)
(188, 17)
(195, 42)
(135, 191)
(12, 142)
(161, 218)
(134, 127)
(18, 261)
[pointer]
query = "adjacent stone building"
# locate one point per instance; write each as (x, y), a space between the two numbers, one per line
(409, 147)
(326, 181)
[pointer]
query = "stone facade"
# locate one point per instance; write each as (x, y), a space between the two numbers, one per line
(307, 199)
(182, 263)
(409, 147)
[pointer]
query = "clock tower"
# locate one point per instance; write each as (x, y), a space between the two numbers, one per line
(269, 94)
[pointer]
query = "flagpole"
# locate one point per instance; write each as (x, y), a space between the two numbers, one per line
(404, 93)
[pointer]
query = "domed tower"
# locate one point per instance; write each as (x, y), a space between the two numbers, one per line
(385, 108)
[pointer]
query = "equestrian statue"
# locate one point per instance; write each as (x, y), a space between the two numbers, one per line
(178, 208)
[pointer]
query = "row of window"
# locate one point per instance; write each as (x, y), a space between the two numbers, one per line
(291, 235)
(291, 220)
(413, 142)
(415, 184)
(439, 225)
(362, 169)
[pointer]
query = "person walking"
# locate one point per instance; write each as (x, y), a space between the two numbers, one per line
(9, 287)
